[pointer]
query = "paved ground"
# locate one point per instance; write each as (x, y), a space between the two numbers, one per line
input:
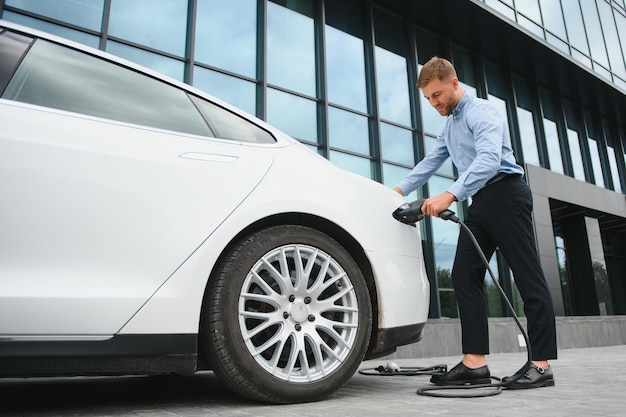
(589, 382)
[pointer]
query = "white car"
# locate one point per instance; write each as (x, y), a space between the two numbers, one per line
(147, 228)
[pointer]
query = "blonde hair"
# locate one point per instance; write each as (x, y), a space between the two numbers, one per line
(436, 67)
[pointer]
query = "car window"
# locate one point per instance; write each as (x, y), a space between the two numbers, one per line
(62, 78)
(12, 47)
(227, 125)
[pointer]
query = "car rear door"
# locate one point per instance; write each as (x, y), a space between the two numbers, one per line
(96, 213)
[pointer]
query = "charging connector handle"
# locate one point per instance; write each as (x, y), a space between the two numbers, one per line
(410, 213)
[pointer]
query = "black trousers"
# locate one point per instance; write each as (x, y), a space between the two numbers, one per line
(500, 216)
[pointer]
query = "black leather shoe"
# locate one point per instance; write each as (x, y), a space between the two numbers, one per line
(462, 375)
(535, 377)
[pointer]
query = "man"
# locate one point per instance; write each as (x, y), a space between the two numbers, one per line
(476, 137)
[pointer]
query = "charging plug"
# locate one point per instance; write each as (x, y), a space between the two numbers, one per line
(410, 213)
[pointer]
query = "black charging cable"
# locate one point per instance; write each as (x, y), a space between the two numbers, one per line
(410, 213)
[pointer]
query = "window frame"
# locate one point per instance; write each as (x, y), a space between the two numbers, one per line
(259, 135)
(13, 57)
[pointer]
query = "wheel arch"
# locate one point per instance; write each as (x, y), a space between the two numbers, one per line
(331, 229)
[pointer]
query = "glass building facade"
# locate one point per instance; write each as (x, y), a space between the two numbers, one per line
(340, 76)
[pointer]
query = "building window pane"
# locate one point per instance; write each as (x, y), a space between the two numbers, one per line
(348, 131)
(561, 255)
(345, 63)
(445, 235)
(496, 83)
(518, 303)
(85, 13)
(393, 174)
(432, 120)
(594, 153)
(71, 34)
(447, 297)
(168, 66)
(393, 87)
(553, 17)
(594, 32)
(447, 168)
(614, 171)
(574, 24)
(397, 144)
(594, 133)
(576, 155)
(621, 29)
(226, 35)
(428, 44)
(500, 104)
(554, 146)
(293, 115)
(530, 9)
(139, 21)
(464, 64)
(238, 92)
(600, 276)
(494, 299)
(468, 89)
(290, 49)
(526, 105)
(497, 88)
(613, 154)
(358, 165)
(392, 80)
(528, 137)
(611, 39)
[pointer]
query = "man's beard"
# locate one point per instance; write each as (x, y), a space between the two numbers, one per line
(447, 109)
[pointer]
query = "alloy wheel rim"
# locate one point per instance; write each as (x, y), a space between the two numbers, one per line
(298, 313)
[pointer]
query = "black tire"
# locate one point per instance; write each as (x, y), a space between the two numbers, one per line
(283, 331)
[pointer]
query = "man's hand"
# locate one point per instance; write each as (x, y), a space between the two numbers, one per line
(399, 191)
(434, 205)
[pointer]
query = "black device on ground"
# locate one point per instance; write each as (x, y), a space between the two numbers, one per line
(411, 213)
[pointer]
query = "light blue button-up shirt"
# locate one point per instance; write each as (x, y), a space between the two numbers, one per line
(477, 139)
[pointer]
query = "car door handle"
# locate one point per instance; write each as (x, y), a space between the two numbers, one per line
(209, 157)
